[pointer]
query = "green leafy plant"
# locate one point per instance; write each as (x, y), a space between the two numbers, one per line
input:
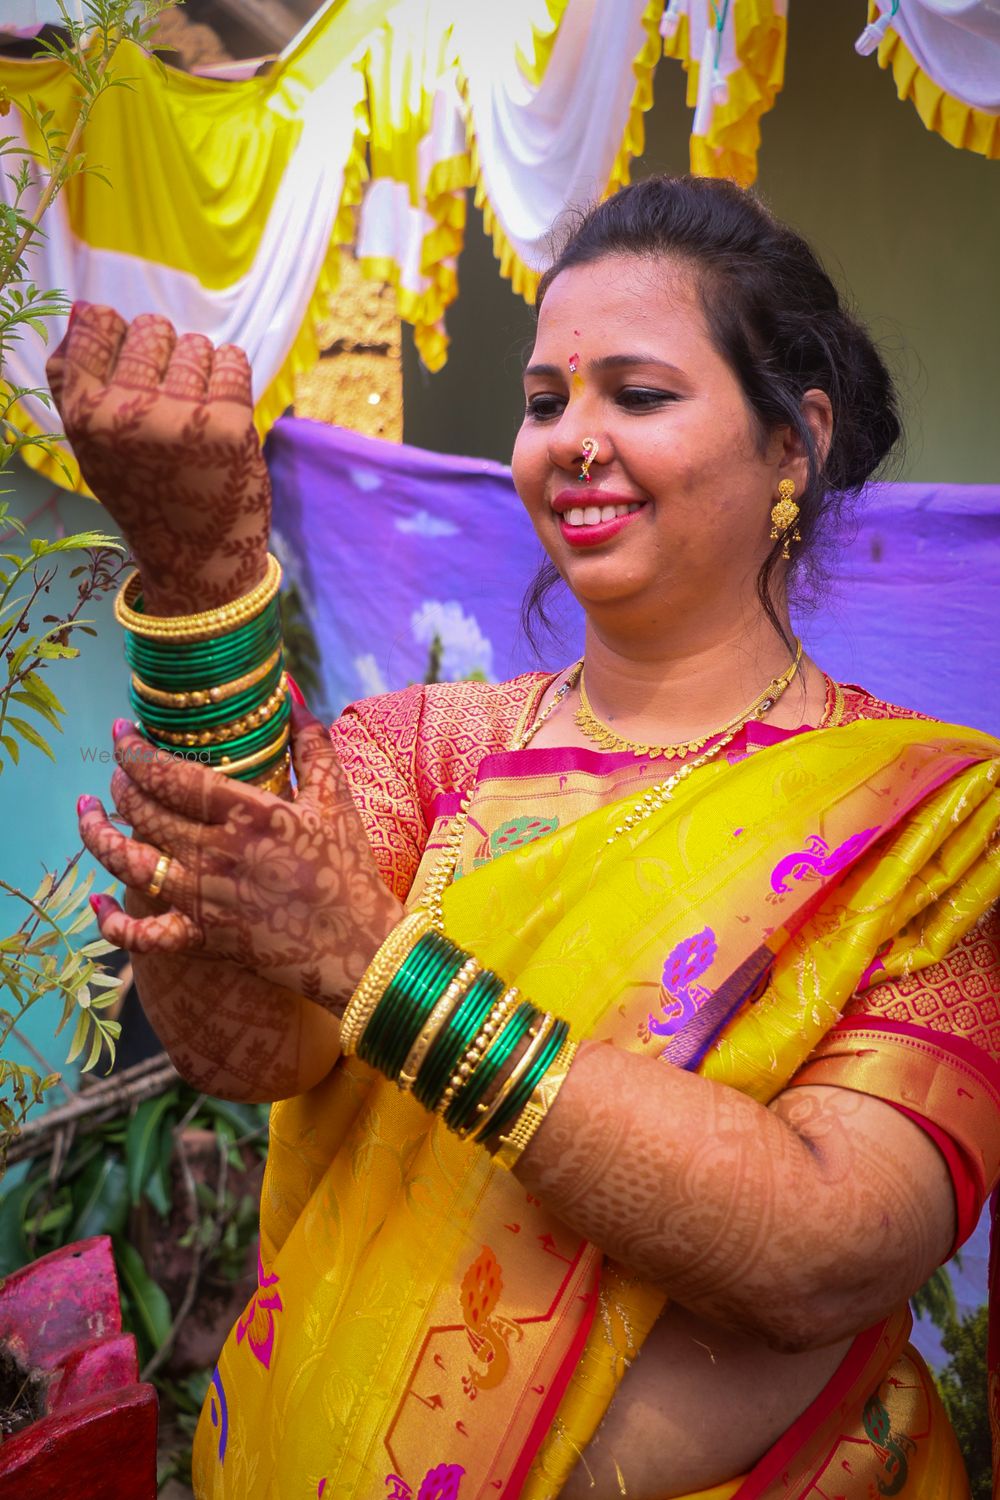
(964, 1389)
(42, 953)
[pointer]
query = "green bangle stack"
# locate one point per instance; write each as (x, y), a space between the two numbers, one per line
(479, 1054)
(213, 685)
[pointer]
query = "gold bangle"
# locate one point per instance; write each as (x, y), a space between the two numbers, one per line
(480, 1049)
(235, 727)
(230, 767)
(205, 625)
(513, 1145)
(375, 980)
(435, 1022)
(198, 697)
(487, 1112)
(278, 781)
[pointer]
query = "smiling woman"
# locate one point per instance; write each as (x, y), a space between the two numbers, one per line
(612, 1136)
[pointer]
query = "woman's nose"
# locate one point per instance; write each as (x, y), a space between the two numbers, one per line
(574, 448)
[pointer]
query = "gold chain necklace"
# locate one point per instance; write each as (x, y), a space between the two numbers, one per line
(440, 876)
(602, 734)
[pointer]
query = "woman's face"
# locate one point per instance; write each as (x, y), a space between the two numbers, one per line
(675, 518)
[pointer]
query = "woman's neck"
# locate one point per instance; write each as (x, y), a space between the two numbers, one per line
(669, 689)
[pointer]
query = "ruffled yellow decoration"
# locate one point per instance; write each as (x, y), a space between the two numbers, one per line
(634, 140)
(543, 39)
(733, 140)
(961, 125)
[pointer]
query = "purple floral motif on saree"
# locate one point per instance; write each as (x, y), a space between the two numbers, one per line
(681, 997)
(817, 859)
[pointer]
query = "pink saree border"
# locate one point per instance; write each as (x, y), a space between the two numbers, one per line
(959, 1047)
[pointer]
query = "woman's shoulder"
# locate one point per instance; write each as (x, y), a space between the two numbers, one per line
(858, 703)
(443, 729)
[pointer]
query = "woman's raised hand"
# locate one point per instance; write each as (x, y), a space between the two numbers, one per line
(162, 426)
(289, 890)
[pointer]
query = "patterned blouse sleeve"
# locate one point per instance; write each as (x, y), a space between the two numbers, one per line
(376, 741)
(929, 1044)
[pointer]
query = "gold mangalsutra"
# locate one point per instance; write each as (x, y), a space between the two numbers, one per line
(442, 872)
(784, 515)
(204, 625)
(199, 697)
(595, 729)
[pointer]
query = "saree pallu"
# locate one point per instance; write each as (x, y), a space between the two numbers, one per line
(422, 1326)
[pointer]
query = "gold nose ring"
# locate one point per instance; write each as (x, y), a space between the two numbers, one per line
(589, 446)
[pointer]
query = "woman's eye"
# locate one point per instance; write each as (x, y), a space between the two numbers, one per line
(638, 398)
(542, 407)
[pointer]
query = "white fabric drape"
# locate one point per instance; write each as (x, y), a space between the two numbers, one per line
(955, 42)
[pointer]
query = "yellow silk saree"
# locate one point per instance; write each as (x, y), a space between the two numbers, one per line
(422, 1327)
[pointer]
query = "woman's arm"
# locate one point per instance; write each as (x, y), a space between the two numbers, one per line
(800, 1223)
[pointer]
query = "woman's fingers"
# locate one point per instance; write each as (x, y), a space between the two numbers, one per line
(145, 352)
(170, 932)
(318, 771)
(190, 367)
(131, 861)
(231, 378)
(185, 787)
(157, 825)
(91, 345)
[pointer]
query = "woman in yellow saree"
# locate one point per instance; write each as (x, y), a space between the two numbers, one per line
(769, 928)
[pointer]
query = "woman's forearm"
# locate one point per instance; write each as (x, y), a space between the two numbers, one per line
(800, 1223)
(230, 1032)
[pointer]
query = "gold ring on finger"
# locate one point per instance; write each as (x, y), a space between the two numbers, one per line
(158, 881)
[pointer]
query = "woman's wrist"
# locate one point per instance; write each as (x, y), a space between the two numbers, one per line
(218, 580)
(438, 1023)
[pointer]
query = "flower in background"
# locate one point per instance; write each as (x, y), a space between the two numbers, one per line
(457, 647)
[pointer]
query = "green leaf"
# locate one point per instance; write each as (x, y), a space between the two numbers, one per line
(142, 1141)
(11, 746)
(100, 1199)
(150, 1307)
(32, 700)
(30, 733)
(14, 1207)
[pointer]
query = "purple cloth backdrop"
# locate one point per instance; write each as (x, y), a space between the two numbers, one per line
(393, 546)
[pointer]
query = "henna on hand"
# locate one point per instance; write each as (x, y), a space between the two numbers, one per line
(288, 890)
(800, 1223)
(162, 426)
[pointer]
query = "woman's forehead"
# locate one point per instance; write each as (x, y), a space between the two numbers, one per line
(622, 297)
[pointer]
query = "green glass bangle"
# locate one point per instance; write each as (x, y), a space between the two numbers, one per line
(405, 1000)
(460, 1115)
(454, 1041)
(169, 656)
(168, 667)
(244, 744)
(167, 648)
(405, 1035)
(424, 953)
(204, 716)
(525, 1086)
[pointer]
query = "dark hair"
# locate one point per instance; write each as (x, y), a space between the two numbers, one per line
(776, 318)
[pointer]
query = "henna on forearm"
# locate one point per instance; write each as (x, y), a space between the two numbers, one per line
(800, 1223)
(228, 1031)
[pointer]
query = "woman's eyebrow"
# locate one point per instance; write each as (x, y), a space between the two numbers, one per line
(606, 362)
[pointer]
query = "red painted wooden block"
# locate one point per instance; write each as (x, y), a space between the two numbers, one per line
(95, 1436)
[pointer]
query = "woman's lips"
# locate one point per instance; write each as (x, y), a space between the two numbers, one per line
(580, 530)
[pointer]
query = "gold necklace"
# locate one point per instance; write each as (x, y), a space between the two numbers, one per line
(440, 876)
(602, 734)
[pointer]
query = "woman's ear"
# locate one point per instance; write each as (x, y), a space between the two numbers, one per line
(818, 413)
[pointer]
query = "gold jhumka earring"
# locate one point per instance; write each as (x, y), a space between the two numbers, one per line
(589, 447)
(784, 514)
